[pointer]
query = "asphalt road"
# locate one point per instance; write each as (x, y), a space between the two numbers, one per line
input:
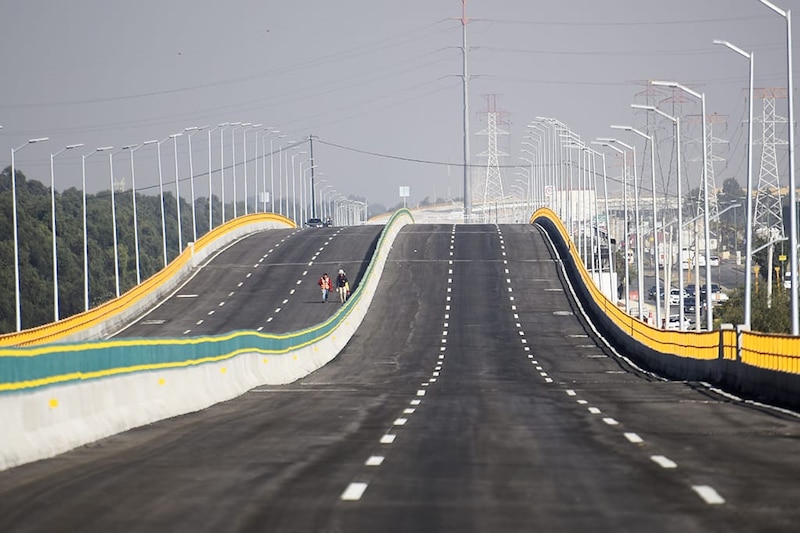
(266, 282)
(473, 398)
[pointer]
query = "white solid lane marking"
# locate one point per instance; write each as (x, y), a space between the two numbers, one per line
(610, 421)
(374, 460)
(354, 491)
(388, 438)
(634, 438)
(709, 495)
(594, 410)
(664, 462)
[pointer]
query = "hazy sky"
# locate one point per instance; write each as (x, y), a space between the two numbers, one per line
(369, 75)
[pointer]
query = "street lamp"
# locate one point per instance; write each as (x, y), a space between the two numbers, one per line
(677, 124)
(189, 132)
(53, 225)
(294, 194)
(637, 221)
(234, 126)
(706, 221)
(655, 217)
(748, 259)
(248, 126)
(132, 148)
(221, 170)
(114, 222)
(161, 192)
(174, 138)
(787, 14)
(625, 217)
(15, 223)
(84, 157)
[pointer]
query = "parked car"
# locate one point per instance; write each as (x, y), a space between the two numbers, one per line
(675, 296)
(674, 322)
(689, 304)
(714, 261)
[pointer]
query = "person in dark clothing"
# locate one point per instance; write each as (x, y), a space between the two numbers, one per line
(342, 286)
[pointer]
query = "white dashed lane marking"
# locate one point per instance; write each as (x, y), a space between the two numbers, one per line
(374, 460)
(354, 491)
(709, 495)
(663, 462)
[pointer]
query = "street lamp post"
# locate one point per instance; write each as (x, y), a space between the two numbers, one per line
(637, 221)
(246, 126)
(174, 138)
(677, 124)
(189, 132)
(706, 221)
(56, 312)
(132, 148)
(84, 157)
(114, 222)
(294, 193)
(748, 259)
(161, 192)
(234, 127)
(787, 14)
(625, 216)
(16, 230)
(656, 264)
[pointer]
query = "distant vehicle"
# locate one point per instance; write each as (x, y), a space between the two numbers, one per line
(674, 322)
(714, 261)
(787, 280)
(315, 223)
(675, 296)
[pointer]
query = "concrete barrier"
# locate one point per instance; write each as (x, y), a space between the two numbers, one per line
(57, 397)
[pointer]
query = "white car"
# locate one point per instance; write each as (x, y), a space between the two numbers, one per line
(714, 261)
(675, 296)
(674, 322)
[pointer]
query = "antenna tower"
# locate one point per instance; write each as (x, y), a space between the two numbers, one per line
(768, 215)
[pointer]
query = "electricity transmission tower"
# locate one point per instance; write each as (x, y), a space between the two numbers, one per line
(493, 184)
(711, 158)
(768, 215)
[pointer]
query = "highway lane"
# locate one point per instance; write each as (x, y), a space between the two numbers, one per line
(265, 282)
(473, 398)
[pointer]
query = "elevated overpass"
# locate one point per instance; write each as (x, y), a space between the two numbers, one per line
(480, 392)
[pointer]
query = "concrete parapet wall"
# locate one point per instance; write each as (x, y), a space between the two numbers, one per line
(56, 397)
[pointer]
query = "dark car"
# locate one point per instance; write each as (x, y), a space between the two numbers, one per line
(315, 223)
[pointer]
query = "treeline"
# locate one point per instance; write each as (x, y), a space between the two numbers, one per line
(36, 250)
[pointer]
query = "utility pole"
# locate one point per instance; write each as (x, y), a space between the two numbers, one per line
(311, 155)
(465, 79)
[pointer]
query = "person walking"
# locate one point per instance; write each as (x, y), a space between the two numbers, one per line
(342, 286)
(325, 285)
